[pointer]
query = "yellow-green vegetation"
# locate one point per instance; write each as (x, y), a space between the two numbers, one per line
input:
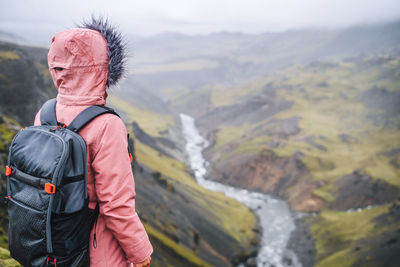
(333, 110)
(182, 251)
(327, 98)
(45, 70)
(229, 215)
(258, 143)
(153, 123)
(8, 55)
(325, 192)
(228, 134)
(232, 216)
(6, 136)
(6, 260)
(340, 236)
(222, 95)
(7, 132)
(3, 218)
(340, 131)
(163, 164)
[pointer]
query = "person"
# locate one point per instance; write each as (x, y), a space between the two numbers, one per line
(83, 63)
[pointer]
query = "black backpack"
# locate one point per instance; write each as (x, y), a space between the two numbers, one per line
(49, 218)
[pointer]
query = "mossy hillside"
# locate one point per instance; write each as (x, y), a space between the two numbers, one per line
(335, 110)
(153, 123)
(6, 136)
(231, 216)
(222, 95)
(23, 72)
(6, 260)
(8, 55)
(8, 129)
(327, 98)
(347, 135)
(180, 252)
(225, 214)
(343, 237)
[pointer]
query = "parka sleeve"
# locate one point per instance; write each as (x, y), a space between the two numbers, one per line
(115, 190)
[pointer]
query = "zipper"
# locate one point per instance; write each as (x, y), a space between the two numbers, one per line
(55, 180)
(83, 145)
(94, 235)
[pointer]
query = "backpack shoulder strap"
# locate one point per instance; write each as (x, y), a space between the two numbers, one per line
(48, 113)
(88, 115)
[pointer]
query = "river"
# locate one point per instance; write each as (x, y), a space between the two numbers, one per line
(275, 217)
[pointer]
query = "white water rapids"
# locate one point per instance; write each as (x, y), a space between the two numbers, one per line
(275, 217)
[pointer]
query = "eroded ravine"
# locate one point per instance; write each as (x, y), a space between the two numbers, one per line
(275, 217)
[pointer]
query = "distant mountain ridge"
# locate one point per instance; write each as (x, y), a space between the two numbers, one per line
(232, 58)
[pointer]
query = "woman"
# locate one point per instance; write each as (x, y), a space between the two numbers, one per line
(83, 62)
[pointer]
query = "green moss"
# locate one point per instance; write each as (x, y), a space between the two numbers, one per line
(229, 134)
(152, 123)
(6, 260)
(3, 235)
(180, 250)
(326, 193)
(336, 234)
(342, 258)
(257, 144)
(8, 55)
(6, 136)
(328, 112)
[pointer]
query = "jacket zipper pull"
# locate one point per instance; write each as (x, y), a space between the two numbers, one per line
(94, 235)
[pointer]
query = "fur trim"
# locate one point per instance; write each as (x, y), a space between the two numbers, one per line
(116, 47)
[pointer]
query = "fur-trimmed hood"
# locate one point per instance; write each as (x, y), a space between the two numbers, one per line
(84, 61)
(116, 47)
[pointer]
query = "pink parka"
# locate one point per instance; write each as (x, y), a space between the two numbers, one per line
(83, 56)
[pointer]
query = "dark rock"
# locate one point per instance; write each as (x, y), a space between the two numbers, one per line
(301, 243)
(358, 190)
(382, 251)
(311, 141)
(323, 84)
(345, 138)
(392, 152)
(24, 84)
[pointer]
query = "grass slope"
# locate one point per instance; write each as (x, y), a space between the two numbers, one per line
(226, 214)
(349, 120)
(154, 123)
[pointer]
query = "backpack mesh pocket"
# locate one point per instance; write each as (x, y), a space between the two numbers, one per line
(27, 231)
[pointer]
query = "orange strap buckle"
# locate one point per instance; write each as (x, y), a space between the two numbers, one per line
(8, 171)
(49, 188)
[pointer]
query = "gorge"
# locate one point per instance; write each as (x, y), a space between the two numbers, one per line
(275, 217)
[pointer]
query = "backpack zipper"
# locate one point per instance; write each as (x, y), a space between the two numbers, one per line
(55, 179)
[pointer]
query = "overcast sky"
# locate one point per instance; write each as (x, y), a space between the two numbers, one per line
(147, 17)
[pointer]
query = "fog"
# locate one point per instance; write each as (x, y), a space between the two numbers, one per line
(35, 20)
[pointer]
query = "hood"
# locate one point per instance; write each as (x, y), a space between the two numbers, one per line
(84, 61)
